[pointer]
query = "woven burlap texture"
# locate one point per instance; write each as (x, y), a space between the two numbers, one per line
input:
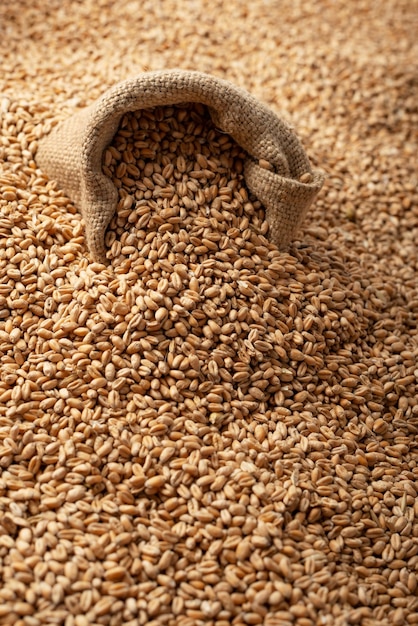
(72, 153)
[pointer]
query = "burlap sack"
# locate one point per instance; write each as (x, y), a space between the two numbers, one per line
(72, 153)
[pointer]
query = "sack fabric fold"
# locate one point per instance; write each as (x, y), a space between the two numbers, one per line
(72, 152)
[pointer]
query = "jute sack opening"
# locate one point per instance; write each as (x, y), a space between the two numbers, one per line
(72, 153)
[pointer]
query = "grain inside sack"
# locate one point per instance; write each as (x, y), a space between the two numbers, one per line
(276, 168)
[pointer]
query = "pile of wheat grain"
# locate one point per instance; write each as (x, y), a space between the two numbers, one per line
(208, 431)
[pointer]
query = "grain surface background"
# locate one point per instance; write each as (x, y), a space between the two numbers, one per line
(207, 431)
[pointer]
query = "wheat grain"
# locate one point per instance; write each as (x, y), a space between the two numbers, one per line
(208, 431)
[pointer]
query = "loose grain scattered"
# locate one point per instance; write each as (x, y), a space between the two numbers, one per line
(208, 431)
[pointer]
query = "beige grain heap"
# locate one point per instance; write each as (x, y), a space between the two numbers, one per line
(206, 429)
